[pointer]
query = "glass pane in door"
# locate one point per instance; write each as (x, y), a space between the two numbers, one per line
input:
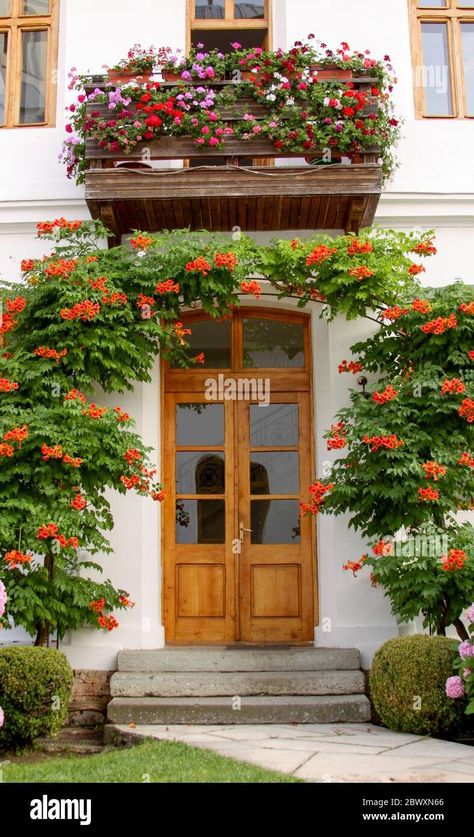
(275, 472)
(274, 426)
(273, 344)
(4, 8)
(214, 339)
(200, 521)
(200, 425)
(200, 473)
(275, 522)
(33, 79)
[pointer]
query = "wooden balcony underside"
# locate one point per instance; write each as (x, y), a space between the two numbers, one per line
(219, 198)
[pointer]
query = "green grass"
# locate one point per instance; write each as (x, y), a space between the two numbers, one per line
(152, 761)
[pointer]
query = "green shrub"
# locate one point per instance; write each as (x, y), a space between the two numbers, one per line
(35, 688)
(407, 684)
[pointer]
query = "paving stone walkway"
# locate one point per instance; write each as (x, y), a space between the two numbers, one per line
(329, 753)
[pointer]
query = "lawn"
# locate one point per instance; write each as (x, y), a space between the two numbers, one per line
(151, 761)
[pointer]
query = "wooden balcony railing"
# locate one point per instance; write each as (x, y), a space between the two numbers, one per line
(238, 186)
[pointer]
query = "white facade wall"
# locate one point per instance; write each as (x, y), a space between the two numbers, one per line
(433, 188)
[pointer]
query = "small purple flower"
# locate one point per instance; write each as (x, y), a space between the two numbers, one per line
(2, 717)
(186, 75)
(236, 45)
(200, 46)
(200, 56)
(466, 672)
(454, 687)
(470, 614)
(466, 650)
(3, 599)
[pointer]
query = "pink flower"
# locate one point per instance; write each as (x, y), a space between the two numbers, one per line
(236, 45)
(205, 129)
(466, 650)
(2, 717)
(69, 129)
(213, 141)
(256, 129)
(3, 599)
(470, 613)
(454, 687)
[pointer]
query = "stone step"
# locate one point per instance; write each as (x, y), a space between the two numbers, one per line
(329, 709)
(210, 684)
(239, 658)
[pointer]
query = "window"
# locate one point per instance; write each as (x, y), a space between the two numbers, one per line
(217, 23)
(28, 54)
(443, 57)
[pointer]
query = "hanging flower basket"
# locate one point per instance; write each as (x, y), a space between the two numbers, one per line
(325, 72)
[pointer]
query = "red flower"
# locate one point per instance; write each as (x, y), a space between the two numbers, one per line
(85, 311)
(168, 287)
(466, 459)
(383, 548)
(251, 288)
(320, 254)
(394, 313)
(350, 367)
(226, 260)
(121, 416)
(389, 442)
(27, 265)
(158, 496)
(50, 354)
(141, 242)
(361, 272)
(440, 325)
(79, 503)
(425, 248)
(433, 471)
(126, 601)
(74, 463)
(7, 386)
(17, 305)
(454, 560)
(467, 308)
(466, 410)
(387, 395)
(454, 386)
(200, 358)
(15, 558)
(132, 455)
(108, 622)
(355, 566)
(199, 265)
(94, 412)
(97, 606)
(18, 435)
(6, 451)
(75, 395)
(55, 452)
(428, 495)
(415, 269)
(421, 306)
(356, 247)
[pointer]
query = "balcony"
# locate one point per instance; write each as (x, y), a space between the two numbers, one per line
(236, 186)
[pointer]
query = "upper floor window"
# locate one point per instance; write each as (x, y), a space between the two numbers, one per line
(217, 23)
(28, 55)
(443, 57)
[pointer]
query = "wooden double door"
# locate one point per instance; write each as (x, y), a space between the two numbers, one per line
(238, 559)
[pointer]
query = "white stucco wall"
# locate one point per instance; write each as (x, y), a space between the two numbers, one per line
(433, 188)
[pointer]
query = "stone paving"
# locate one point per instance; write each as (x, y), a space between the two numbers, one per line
(329, 753)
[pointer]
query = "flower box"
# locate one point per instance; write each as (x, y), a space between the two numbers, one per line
(123, 77)
(169, 76)
(325, 72)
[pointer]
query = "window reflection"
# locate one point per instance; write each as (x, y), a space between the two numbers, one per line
(274, 426)
(273, 344)
(275, 522)
(33, 79)
(200, 521)
(199, 424)
(275, 472)
(200, 473)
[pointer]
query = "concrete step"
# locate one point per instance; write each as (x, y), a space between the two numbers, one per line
(240, 658)
(329, 709)
(208, 684)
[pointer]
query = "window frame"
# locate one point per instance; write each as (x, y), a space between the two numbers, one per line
(14, 26)
(453, 15)
(228, 21)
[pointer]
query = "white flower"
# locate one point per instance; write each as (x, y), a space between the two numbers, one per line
(270, 97)
(326, 102)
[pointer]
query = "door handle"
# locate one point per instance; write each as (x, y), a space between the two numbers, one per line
(242, 530)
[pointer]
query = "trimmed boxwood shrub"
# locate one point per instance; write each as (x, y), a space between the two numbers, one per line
(35, 689)
(407, 685)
